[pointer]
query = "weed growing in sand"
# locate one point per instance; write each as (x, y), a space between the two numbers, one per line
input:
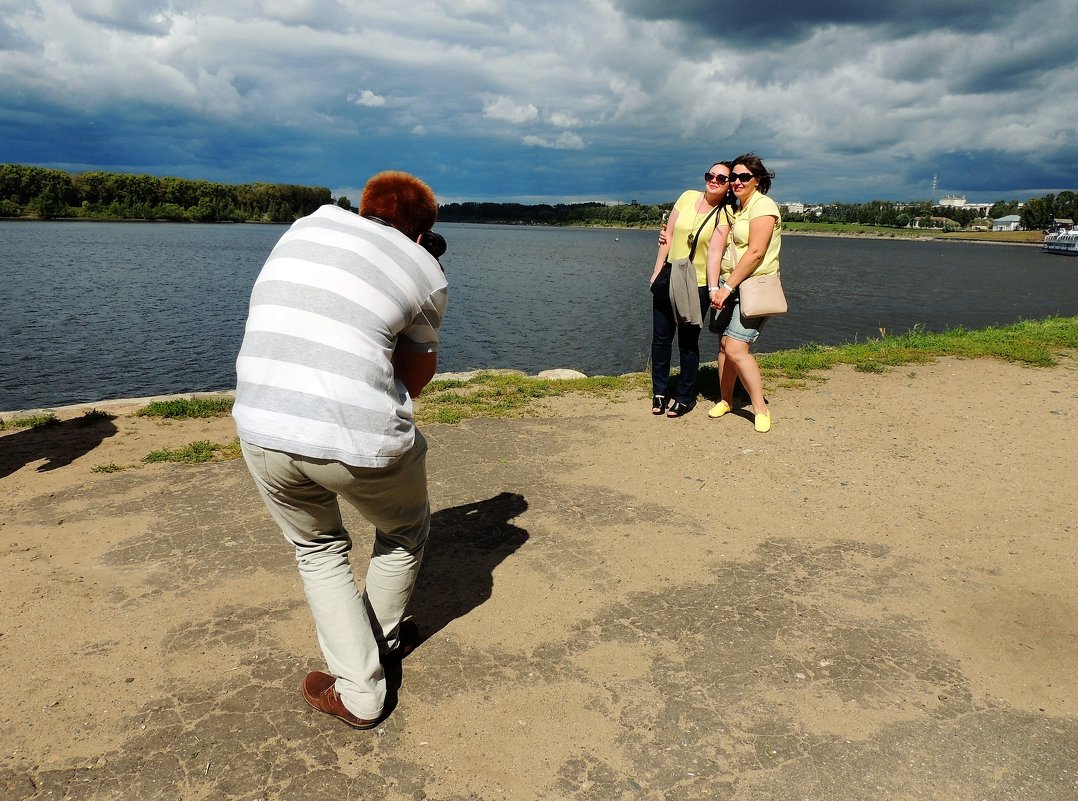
(93, 417)
(179, 408)
(494, 394)
(111, 467)
(31, 421)
(201, 451)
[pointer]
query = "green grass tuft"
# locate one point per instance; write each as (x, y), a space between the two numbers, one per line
(1033, 342)
(197, 452)
(181, 408)
(492, 394)
(31, 421)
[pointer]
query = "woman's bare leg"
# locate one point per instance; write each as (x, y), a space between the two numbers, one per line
(744, 362)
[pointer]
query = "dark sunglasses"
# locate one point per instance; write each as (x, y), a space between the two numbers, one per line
(744, 177)
(716, 177)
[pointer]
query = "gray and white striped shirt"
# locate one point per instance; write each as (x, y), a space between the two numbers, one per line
(334, 299)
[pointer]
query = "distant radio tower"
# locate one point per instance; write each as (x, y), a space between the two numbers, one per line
(933, 188)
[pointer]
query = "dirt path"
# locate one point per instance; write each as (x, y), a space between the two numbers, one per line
(878, 599)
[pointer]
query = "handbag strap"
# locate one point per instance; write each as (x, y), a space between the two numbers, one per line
(733, 257)
(695, 239)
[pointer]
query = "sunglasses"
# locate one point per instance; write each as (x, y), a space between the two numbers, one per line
(744, 177)
(714, 177)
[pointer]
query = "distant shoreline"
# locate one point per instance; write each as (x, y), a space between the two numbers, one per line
(786, 232)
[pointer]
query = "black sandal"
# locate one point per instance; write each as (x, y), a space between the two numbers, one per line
(677, 409)
(658, 404)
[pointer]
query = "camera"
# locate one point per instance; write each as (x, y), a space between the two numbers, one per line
(433, 243)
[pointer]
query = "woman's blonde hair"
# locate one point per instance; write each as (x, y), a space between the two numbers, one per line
(402, 200)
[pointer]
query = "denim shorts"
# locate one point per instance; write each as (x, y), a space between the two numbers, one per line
(728, 322)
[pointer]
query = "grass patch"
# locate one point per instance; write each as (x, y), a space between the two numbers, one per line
(854, 229)
(1034, 342)
(201, 451)
(1012, 237)
(491, 394)
(111, 467)
(184, 408)
(31, 421)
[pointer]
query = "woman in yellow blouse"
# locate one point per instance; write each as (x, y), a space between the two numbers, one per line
(695, 219)
(756, 241)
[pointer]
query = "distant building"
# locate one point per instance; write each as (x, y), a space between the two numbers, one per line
(794, 208)
(1062, 224)
(1008, 223)
(958, 201)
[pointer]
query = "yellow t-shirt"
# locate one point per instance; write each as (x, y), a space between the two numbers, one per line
(689, 221)
(759, 205)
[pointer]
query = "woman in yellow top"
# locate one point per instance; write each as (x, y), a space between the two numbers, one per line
(695, 218)
(756, 240)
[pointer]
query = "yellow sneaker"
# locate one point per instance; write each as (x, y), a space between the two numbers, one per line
(763, 422)
(719, 409)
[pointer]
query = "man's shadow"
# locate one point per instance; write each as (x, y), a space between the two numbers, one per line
(60, 442)
(466, 544)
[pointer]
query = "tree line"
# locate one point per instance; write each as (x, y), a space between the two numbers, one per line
(626, 215)
(54, 194)
(50, 194)
(1035, 214)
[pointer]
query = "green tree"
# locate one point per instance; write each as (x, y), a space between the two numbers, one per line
(1037, 214)
(1066, 205)
(1003, 208)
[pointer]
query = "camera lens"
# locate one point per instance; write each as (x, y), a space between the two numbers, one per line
(433, 243)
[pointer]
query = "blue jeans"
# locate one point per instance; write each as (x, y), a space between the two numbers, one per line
(663, 328)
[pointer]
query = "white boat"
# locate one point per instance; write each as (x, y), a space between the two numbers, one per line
(1063, 242)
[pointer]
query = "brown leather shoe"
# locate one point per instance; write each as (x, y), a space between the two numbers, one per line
(319, 692)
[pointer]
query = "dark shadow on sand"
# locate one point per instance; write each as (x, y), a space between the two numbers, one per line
(60, 443)
(466, 544)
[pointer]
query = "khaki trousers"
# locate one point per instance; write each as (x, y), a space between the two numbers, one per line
(353, 628)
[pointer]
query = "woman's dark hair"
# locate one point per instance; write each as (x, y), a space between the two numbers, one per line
(729, 199)
(757, 168)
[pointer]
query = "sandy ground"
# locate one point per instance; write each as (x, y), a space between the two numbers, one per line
(877, 600)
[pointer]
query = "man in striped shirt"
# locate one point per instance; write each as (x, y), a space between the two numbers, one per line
(342, 333)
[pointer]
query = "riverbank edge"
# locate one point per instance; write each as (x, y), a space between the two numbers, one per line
(1042, 341)
(128, 405)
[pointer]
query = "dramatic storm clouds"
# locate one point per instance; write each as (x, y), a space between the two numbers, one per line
(551, 101)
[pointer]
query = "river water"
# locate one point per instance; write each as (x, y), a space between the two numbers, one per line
(95, 311)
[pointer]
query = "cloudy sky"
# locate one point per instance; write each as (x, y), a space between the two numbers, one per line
(553, 101)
